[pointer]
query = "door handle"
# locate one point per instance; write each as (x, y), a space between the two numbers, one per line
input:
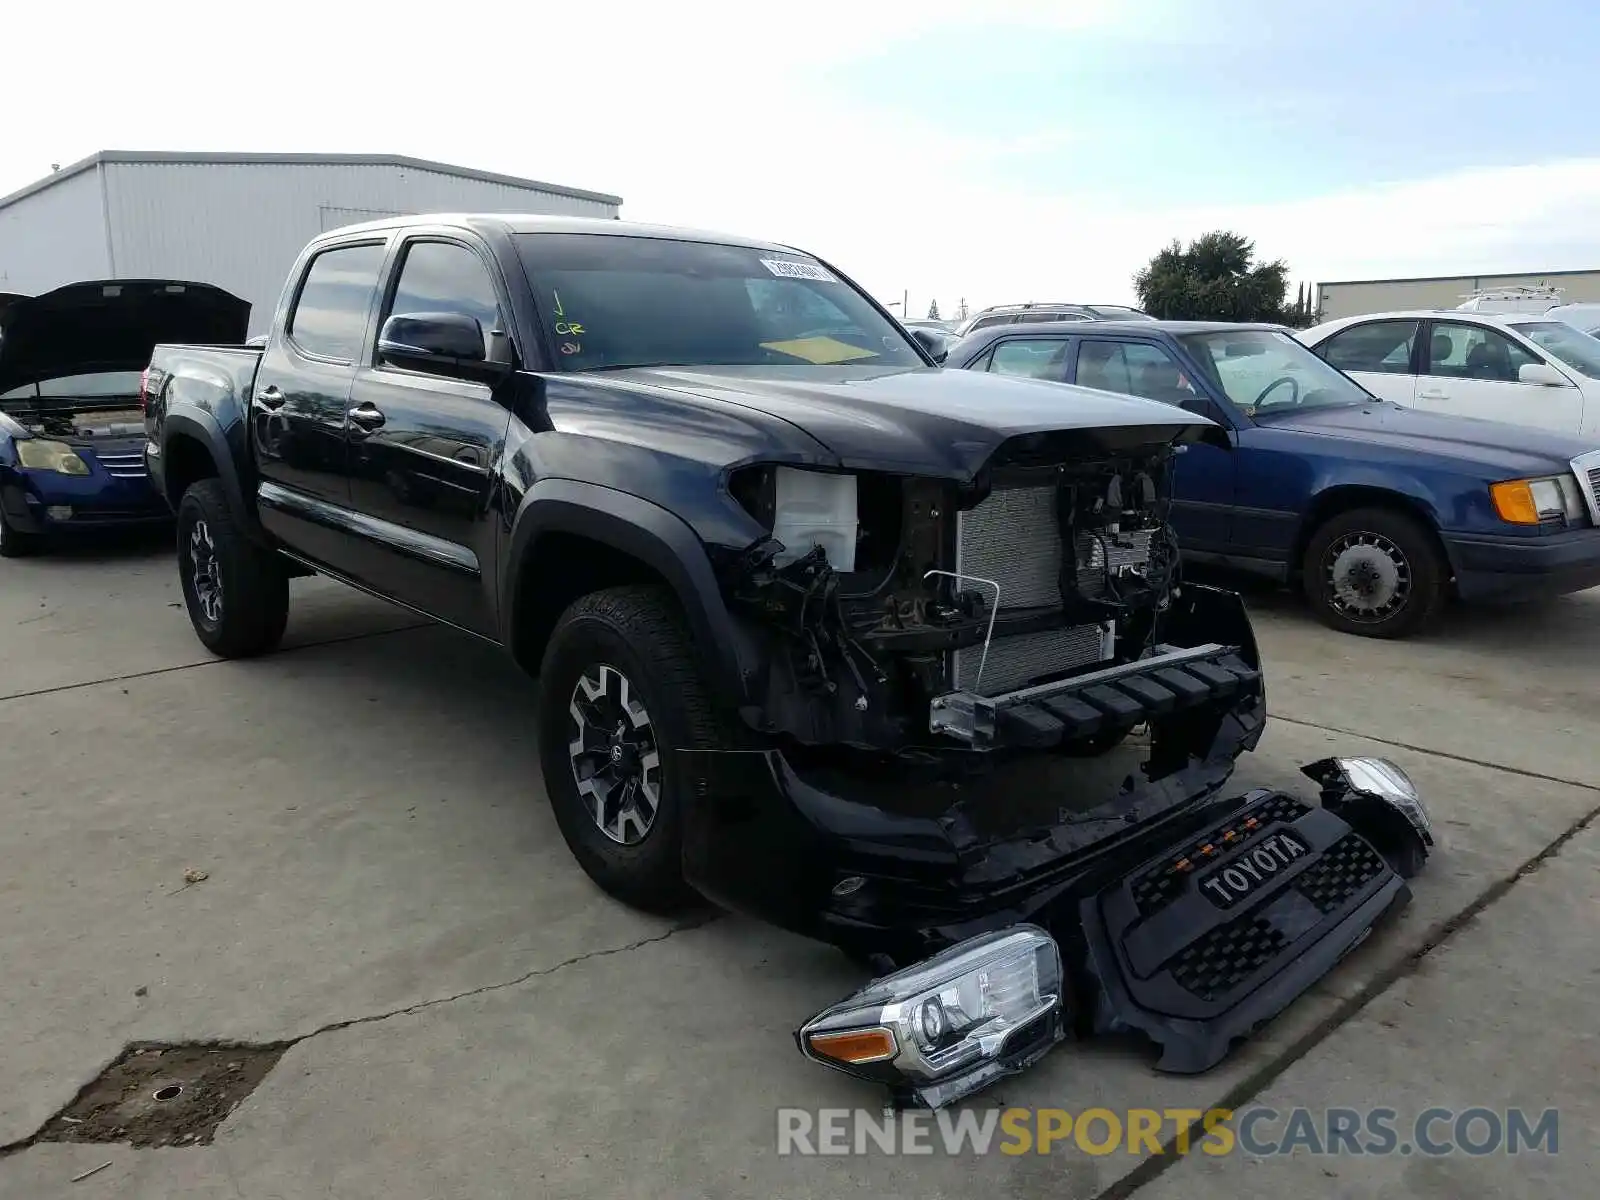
(366, 416)
(1431, 394)
(270, 397)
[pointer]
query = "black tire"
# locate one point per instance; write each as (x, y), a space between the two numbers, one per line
(638, 634)
(246, 614)
(1370, 543)
(13, 542)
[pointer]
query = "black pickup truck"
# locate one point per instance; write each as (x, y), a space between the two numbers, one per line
(823, 632)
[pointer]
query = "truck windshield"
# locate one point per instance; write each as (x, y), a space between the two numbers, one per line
(1572, 346)
(1265, 372)
(610, 301)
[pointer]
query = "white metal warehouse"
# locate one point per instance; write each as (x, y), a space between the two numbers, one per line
(234, 220)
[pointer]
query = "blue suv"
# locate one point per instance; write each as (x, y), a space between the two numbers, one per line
(1379, 513)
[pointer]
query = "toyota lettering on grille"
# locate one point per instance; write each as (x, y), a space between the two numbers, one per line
(1252, 869)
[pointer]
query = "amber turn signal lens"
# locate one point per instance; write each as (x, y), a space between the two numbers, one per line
(857, 1046)
(1513, 502)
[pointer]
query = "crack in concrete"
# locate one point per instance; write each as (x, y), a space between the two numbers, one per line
(423, 1005)
(1441, 934)
(211, 662)
(286, 1044)
(1460, 758)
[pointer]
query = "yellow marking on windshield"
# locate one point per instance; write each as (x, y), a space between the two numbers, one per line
(820, 350)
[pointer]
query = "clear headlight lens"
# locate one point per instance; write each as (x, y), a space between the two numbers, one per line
(952, 1024)
(1380, 778)
(39, 455)
(1529, 501)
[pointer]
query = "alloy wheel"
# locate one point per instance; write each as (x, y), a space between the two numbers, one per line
(204, 573)
(616, 763)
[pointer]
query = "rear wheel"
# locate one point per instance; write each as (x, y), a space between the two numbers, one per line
(13, 543)
(620, 690)
(1374, 572)
(237, 593)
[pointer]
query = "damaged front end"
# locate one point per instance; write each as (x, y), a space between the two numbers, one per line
(998, 733)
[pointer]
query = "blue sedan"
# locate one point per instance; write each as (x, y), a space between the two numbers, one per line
(71, 418)
(1378, 512)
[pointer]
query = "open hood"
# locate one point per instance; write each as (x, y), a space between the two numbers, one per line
(110, 325)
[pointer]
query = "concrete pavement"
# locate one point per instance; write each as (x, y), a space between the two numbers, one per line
(386, 885)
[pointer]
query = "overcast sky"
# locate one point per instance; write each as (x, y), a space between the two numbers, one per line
(995, 151)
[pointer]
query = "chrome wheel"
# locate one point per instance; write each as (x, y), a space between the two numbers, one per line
(615, 761)
(204, 574)
(1368, 577)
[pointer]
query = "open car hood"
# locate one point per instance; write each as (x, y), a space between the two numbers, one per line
(110, 325)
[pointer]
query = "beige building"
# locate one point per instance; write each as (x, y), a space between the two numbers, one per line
(1353, 297)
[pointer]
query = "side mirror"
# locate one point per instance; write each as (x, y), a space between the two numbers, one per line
(1542, 374)
(438, 340)
(936, 344)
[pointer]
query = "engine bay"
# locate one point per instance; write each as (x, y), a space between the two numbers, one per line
(878, 593)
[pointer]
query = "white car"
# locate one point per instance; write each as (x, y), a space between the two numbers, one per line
(1581, 316)
(1521, 368)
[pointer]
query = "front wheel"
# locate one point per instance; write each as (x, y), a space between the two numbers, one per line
(237, 593)
(1374, 572)
(620, 691)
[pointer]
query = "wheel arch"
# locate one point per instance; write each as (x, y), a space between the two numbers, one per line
(1347, 497)
(569, 538)
(193, 447)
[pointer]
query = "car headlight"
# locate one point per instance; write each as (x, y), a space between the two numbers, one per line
(38, 455)
(1379, 801)
(1530, 501)
(952, 1024)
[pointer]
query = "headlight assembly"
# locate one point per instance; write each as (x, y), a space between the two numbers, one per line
(1530, 501)
(1378, 800)
(950, 1025)
(39, 455)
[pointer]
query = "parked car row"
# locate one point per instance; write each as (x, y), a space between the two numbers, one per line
(823, 633)
(1376, 510)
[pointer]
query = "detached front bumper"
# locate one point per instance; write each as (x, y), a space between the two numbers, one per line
(1195, 947)
(1492, 568)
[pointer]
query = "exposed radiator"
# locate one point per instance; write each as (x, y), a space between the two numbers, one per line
(1016, 661)
(1013, 538)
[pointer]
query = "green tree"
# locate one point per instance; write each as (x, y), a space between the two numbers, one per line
(933, 311)
(1215, 278)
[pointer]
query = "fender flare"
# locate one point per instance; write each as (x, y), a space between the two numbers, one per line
(204, 428)
(643, 530)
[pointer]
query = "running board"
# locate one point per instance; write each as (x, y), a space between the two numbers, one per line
(1104, 701)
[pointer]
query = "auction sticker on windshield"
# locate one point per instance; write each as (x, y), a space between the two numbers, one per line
(785, 269)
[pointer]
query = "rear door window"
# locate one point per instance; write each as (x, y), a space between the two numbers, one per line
(329, 318)
(1032, 358)
(1383, 347)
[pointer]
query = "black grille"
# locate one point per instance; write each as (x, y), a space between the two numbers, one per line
(1163, 883)
(1159, 888)
(1347, 867)
(1227, 956)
